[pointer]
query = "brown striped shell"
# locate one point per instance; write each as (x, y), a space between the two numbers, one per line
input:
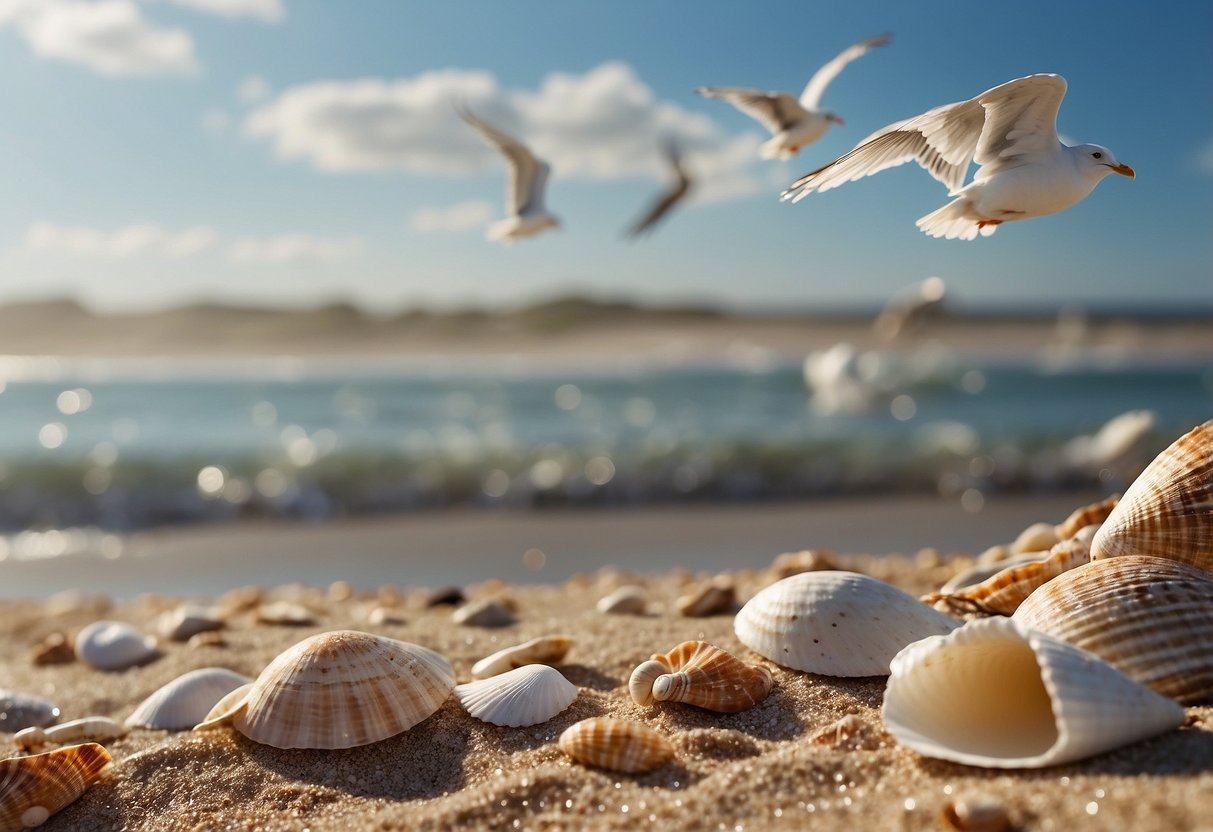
(34, 788)
(616, 745)
(700, 674)
(1148, 617)
(1089, 515)
(1168, 511)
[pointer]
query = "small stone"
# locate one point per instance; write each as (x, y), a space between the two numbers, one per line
(447, 596)
(809, 560)
(485, 613)
(627, 600)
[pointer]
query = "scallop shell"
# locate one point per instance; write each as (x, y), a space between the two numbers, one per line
(1148, 617)
(1089, 515)
(997, 694)
(23, 710)
(34, 788)
(186, 700)
(527, 695)
(835, 623)
(112, 645)
(627, 600)
(188, 620)
(339, 690)
(980, 572)
(1168, 511)
(487, 612)
(701, 674)
(616, 745)
(224, 711)
(87, 729)
(542, 650)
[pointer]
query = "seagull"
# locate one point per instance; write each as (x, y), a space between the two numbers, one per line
(672, 196)
(794, 123)
(910, 307)
(1024, 170)
(523, 191)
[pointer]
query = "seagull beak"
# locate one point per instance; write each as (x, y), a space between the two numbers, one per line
(1124, 170)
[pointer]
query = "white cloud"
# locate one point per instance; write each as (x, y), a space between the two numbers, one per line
(458, 217)
(110, 36)
(253, 89)
(290, 248)
(143, 239)
(270, 11)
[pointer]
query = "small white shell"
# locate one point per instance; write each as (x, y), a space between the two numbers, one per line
(189, 620)
(527, 695)
(286, 614)
(627, 600)
(542, 650)
(24, 710)
(487, 612)
(88, 729)
(186, 700)
(835, 623)
(112, 645)
(997, 694)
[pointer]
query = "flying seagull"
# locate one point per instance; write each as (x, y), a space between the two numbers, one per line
(1024, 170)
(671, 197)
(794, 123)
(523, 190)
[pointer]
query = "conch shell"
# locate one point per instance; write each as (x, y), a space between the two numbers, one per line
(701, 674)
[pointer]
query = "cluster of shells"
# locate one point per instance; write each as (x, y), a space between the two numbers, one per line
(1088, 636)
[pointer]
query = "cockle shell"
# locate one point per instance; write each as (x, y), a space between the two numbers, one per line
(1089, 515)
(86, 729)
(112, 645)
(188, 620)
(34, 788)
(1151, 618)
(186, 700)
(487, 612)
(542, 650)
(976, 574)
(698, 673)
(627, 600)
(339, 690)
(995, 693)
(616, 745)
(835, 623)
(1168, 510)
(527, 695)
(22, 710)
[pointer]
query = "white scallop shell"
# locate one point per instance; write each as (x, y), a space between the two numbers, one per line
(527, 695)
(23, 710)
(995, 693)
(112, 645)
(186, 700)
(542, 650)
(835, 623)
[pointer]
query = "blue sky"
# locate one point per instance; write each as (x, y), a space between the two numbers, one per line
(156, 152)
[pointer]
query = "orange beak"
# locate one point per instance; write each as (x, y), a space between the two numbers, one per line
(1124, 170)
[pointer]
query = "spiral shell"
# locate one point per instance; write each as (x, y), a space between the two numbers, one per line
(112, 645)
(698, 673)
(186, 700)
(542, 650)
(527, 695)
(34, 788)
(616, 745)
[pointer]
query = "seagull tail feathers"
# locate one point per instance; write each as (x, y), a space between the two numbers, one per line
(955, 221)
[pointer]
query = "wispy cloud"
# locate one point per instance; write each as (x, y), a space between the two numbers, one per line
(291, 248)
(269, 11)
(253, 89)
(458, 217)
(142, 239)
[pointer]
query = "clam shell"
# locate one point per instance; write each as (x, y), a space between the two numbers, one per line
(86, 729)
(487, 612)
(342, 689)
(527, 695)
(542, 650)
(188, 620)
(186, 700)
(835, 623)
(616, 745)
(34, 788)
(701, 674)
(997, 694)
(1168, 510)
(23, 710)
(1148, 617)
(627, 600)
(112, 645)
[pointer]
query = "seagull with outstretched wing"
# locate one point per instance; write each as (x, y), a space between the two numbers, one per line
(672, 196)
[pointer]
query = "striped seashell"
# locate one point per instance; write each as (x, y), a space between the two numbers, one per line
(981, 571)
(186, 700)
(701, 674)
(616, 745)
(339, 690)
(487, 612)
(1089, 515)
(527, 695)
(24, 710)
(1147, 617)
(542, 650)
(997, 694)
(188, 620)
(835, 623)
(627, 600)
(1038, 537)
(112, 645)
(224, 711)
(1168, 510)
(34, 788)
(87, 729)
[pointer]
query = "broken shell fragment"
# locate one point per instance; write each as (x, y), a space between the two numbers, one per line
(112, 645)
(527, 695)
(86, 729)
(24, 710)
(36, 787)
(186, 700)
(701, 674)
(542, 650)
(616, 745)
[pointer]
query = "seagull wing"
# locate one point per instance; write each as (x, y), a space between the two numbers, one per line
(1020, 123)
(528, 175)
(810, 99)
(777, 111)
(671, 197)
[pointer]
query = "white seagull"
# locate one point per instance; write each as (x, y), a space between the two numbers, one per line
(523, 190)
(669, 198)
(794, 123)
(1010, 131)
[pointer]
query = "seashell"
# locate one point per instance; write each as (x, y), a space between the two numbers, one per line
(186, 700)
(54, 649)
(286, 614)
(835, 623)
(339, 690)
(701, 674)
(34, 788)
(997, 694)
(446, 596)
(526, 695)
(980, 572)
(837, 732)
(1038, 537)
(488, 612)
(627, 600)
(1168, 510)
(241, 599)
(1089, 515)
(381, 616)
(810, 560)
(88, 729)
(339, 591)
(223, 711)
(23, 710)
(209, 638)
(187, 621)
(616, 745)
(1147, 617)
(975, 814)
(1003, 592)
(712, 599)
(112, 645)
(542, 650)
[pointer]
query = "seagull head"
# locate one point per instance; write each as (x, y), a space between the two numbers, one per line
(1100, 161)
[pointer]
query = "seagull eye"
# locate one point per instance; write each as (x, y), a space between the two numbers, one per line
(1097, 155)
